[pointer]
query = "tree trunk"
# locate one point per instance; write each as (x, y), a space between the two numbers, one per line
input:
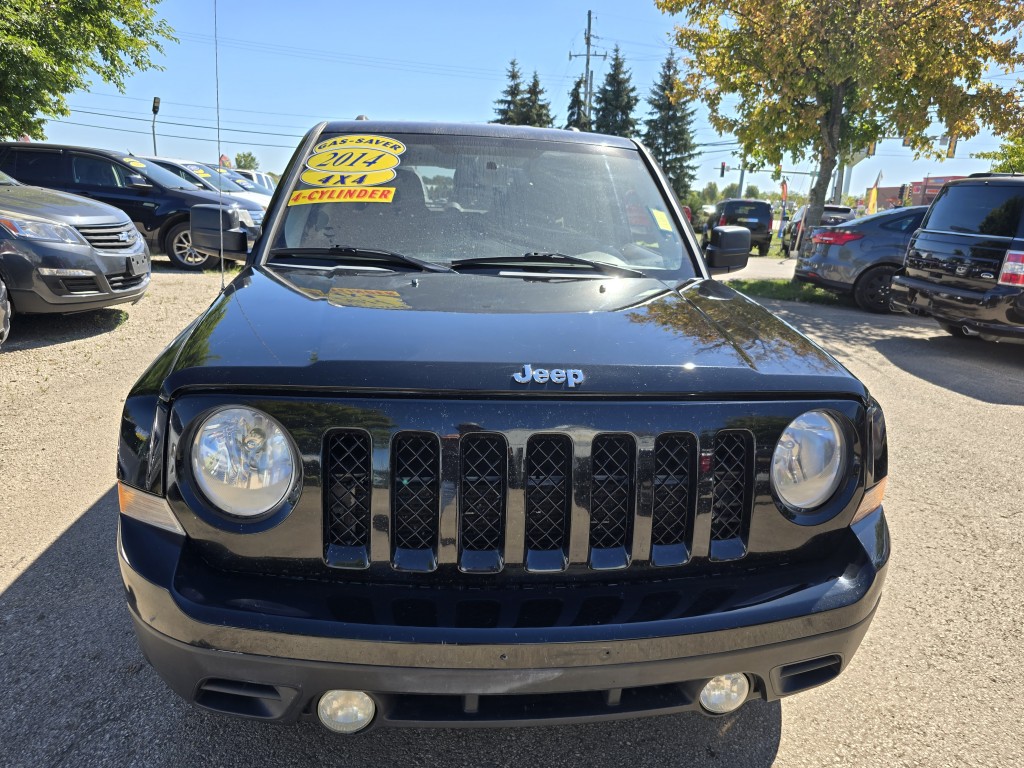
(831, 129)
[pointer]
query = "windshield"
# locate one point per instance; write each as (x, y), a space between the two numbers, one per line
(448, 198)
(154, 173)
(213, 179)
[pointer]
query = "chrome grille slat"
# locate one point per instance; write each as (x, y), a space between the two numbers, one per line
(108, 237)
(415, 491)
(549, 471)
(732, 458)
(612, 495)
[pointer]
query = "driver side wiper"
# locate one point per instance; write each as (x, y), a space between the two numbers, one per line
(358, 253)
(546, 257)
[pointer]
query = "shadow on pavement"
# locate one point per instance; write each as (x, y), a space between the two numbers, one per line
(988, 372)
(80, 693)
(37, 331)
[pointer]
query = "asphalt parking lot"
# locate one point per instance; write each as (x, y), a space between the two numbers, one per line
(934, 684)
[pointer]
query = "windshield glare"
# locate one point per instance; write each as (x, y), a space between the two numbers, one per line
(446, 198)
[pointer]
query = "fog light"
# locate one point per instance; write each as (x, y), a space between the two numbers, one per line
(725, 693)
(345, 711)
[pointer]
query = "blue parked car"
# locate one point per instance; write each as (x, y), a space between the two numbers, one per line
(860, 257)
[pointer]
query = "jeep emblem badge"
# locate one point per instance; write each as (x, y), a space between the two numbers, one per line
(570, 376)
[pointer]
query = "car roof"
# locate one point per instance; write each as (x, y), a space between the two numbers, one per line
(492, 130)
(974, 178)
(744, 200)
(48, 145)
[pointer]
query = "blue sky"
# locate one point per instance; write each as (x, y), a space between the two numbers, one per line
(286, 65)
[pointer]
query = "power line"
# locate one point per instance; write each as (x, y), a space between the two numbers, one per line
(191, 125)
(170, 135)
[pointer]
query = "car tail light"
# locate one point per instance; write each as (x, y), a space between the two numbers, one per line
(836, 238)
(1012, 272)
(722, 222)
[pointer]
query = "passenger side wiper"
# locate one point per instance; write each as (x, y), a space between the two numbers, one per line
(546, 258)
(357, 253)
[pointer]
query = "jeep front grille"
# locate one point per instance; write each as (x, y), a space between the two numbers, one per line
(475, 501)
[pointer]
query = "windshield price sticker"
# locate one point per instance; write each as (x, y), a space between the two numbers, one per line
(134, 162)
(361, 142)
(661, 219)
(342, 195)
(322, 179)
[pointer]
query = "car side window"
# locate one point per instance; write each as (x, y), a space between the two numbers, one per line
(904, 223)
(96, 172)
(35, 166)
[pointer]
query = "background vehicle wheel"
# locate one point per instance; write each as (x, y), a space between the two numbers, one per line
(178, 247)
(5, 312)
(873, 288)
(785, 249)
(762, 250)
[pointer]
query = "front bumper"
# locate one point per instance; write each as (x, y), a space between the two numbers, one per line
(500, 676)
(998, 312)
(107, 277)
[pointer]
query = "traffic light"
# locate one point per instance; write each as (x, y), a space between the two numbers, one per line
(722, 174)
(871, 149)
(951, 148)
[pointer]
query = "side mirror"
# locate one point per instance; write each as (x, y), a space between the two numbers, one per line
(214, 225)
(728, 249)
(136, 181)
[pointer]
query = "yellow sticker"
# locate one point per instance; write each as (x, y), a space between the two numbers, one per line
(322, 179)
(133, 162)
(662, 220)
(343, 195)
(361, 141)
(203, 174)
(352, 160)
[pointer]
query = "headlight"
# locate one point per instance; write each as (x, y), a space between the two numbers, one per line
(809, 460)
(243, 461)
(30, 229)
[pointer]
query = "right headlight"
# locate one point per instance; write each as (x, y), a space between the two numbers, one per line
(809, 460)
(243, 461)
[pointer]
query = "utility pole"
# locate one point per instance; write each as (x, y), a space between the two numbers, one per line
(588, 74)
(156, 108)
(743, 171)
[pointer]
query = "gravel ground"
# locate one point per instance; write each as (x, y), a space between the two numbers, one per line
(933, 684)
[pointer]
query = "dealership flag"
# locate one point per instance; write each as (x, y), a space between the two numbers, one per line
(873, 195)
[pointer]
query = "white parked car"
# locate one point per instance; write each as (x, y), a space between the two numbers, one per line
(261, 178)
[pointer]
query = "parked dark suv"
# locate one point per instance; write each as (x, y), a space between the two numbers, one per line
(965, 265)
(492, 451)
(156, 200)
(755, 215)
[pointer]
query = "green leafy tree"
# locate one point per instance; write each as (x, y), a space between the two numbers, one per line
(710, 192)
(669, 130)
(1009, 158)
(536, 110)
(615, 100)
(731, 190)
(49, 48)
(510, 108)
(577, 115)
(822, 80)
(247, 161)
(751, 192)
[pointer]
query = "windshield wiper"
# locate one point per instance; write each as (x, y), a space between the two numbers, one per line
(358, 253)
(546, 257)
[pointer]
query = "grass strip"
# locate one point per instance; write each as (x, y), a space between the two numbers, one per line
(786, 290)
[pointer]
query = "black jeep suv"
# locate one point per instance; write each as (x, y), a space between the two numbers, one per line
(156, 200)
(965, 265)
(474, 439)
(755, 215)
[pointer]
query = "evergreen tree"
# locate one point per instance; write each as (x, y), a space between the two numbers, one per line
(669, 132)
(536, 110)
(615, 100)
(577, 117)
(509, 107)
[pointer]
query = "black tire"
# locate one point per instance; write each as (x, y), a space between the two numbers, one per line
(785, 248)
(5, 312)
(873, 288)
(178, 247)
(762, 249)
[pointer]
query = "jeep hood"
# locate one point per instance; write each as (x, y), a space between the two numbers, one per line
(429, 333)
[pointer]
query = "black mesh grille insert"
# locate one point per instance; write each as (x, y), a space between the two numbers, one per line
(484, 469)
(611, 503)
(549, 471)
(124, 281)
(732, 461)
(347, 480)
(415, 490)
(675, 464)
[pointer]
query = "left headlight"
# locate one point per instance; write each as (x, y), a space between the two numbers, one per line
(52, 231)
(243, 461)
(809, 460)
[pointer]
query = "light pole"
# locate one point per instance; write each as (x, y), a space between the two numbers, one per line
(156, 108)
